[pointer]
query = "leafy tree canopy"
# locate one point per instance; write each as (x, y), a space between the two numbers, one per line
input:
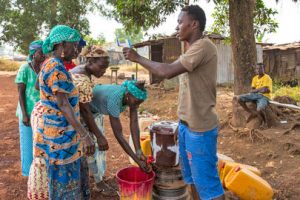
(100, 40)
(139, 14)
(264, 21)
(23, 21)
(122, 35)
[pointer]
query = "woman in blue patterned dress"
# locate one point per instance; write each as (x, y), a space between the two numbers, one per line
(60, 138)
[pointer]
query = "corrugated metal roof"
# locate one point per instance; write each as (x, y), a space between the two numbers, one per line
(150, 42)
(160, 40)
(293, 45)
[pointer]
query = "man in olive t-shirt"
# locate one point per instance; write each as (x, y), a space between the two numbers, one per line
(197, 98)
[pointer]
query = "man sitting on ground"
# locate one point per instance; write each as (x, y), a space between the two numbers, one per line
(260, 94)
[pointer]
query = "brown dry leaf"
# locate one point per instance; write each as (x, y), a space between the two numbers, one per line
(270, 164)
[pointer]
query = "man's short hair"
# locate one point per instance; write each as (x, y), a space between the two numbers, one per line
(261, 65)
(197, 13)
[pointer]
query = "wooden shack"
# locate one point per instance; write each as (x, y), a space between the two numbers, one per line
(282, 62)
(165, 50)
(168, 50)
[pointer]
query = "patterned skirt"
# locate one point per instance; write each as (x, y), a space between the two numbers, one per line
(63, 182)
(37, 186)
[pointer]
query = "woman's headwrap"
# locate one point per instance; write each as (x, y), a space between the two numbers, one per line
(94, 51)
(33, 47)
(59, 34)
(82, 42)
(134, 90)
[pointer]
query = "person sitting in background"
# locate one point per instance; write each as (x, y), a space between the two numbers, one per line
(96, 65)
(260, 94)
(112, 100)
(28, 96)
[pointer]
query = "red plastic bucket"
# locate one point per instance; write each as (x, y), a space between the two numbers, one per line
(134, 184)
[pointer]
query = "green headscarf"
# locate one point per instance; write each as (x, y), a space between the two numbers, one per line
(134, 90)
(33, 47)
(59, 34)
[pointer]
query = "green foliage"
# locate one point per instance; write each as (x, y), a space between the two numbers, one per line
(20, 23)
(264, 21)
(139, 14)
(100, 40)
(293, 92)
(221, 18)
(277, 86)
(23, 21)
(122, 34)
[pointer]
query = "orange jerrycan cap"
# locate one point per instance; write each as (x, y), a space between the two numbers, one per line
(223, 164)
(237, 168)
(150, 159)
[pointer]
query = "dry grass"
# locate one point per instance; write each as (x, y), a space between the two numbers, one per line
(9, 65)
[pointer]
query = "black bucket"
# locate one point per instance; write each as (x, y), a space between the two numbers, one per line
(168, 194)
(169, 185)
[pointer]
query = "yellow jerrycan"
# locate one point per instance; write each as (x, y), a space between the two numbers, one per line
(225, 167)
(145, 145)
(247, 185)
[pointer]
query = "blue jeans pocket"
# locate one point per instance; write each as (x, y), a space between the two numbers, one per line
(195, 143)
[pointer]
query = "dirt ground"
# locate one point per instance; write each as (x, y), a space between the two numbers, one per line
(278, 157)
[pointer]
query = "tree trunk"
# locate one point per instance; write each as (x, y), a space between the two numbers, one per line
(241, 14)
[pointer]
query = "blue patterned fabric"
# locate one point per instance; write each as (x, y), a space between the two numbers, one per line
(108, 100)
(25, 147)
(64, 184)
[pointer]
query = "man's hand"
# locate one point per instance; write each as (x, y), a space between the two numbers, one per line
(130, 54)
(260, 90)
(26, 120)
(102, 143)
